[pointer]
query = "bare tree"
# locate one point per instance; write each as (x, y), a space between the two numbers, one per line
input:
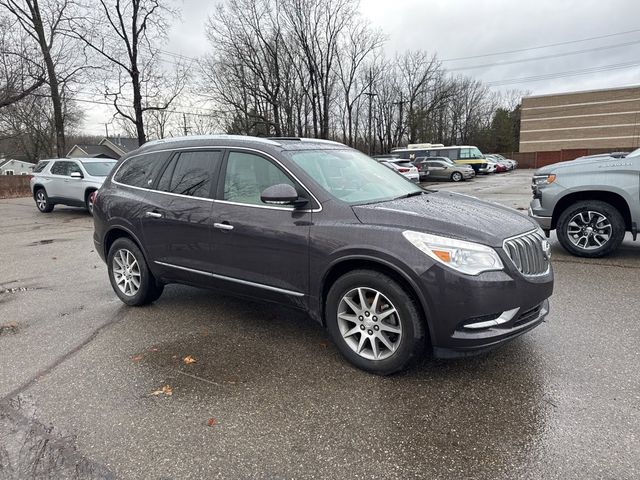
(125, 34)
(20, 74)
(42, 20)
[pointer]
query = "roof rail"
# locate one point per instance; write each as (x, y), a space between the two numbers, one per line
(217, 136)
(321, 140)
(293, 139)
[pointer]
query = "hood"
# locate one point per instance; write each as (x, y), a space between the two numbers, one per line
(581, 162)
(450, 215)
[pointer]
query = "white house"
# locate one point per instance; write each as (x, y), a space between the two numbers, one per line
(15, 167)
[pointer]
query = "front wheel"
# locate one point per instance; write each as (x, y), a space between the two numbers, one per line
(129, 275)
(456, 176)
(374, 322)
(591, 229)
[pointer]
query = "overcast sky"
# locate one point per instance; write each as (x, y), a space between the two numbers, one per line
(465, 28)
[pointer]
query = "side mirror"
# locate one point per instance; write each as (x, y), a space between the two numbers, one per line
(281, 194)
(76, 175)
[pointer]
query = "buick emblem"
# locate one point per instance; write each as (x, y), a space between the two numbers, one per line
(546, 249)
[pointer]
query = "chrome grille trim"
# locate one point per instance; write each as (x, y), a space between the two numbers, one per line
(527, 254)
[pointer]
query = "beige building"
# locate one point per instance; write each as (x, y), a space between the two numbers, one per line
(608, 119)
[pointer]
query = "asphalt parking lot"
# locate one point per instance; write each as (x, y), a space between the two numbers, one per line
(268, 396)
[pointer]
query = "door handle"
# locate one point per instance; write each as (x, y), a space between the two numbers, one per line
(223, 226)
(153, 214)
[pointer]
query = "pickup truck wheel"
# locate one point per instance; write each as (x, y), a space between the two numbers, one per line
(374, 322)
(42, 201)
(590, 229)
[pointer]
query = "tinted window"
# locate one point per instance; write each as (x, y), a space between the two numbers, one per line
(247, 175)
(40, 166)
(98, 169)
(65, 168)
(190, 173)
(139, 171)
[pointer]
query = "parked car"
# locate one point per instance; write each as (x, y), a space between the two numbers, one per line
(499, 160)
(68, 181)
(591, 202)
(489, 167)
(511, 164)
(498, 166)
(403, 167)
(319, 226)
(445, 169)
(460, 154)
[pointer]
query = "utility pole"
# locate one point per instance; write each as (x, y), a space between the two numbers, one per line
(401, 107)
(370, 94)
(106, 130)
(186, 129)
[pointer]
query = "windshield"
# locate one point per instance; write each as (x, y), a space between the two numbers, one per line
(635, 153)
(352, 176)
(98, 169)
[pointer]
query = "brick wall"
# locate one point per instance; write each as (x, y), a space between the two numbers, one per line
(13, 186)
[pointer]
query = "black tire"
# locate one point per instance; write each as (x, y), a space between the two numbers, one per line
(149, 289)
(611, 214)
(411, 342)
(88, 203)
(42, 200)
(456, 177)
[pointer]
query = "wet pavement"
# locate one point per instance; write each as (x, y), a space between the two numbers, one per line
(90, 388)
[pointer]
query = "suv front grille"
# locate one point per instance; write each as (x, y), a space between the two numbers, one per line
(528, 254)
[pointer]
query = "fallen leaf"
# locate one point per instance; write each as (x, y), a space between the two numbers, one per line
(154, 349)
(188, 360)
(323, 344)
(211, 422)
(137, 358)
(166, 390)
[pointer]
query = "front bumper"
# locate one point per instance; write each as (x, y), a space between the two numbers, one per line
(467, 174)
(470, 314)
(537, 213)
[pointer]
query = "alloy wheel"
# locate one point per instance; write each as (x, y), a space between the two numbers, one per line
(41, 200)
(369, 323)
(589, 230)
(126, 272)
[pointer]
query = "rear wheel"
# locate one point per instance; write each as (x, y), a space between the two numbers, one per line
(129, 275)
(88, 201)
(591, 229)
(456, 176)
(42, 201)
(374, 322)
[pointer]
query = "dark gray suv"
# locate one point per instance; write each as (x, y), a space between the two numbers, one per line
(388, 267)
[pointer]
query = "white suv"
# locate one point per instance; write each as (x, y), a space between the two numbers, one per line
(68, 181)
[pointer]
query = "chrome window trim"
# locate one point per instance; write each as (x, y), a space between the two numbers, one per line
(232, 279)
(504, 248)
(221, 147)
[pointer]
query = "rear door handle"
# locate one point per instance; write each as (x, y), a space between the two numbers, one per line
(153, 214)
(223, 226)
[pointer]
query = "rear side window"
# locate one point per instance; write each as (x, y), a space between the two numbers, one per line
(40, 166)
(191, 173)
(65, 168)
(139, 171)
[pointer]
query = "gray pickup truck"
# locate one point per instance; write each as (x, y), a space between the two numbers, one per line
(591, 202)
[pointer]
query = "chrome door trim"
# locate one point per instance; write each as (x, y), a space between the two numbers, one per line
(232, 279)
(222, 147)
(223, 226)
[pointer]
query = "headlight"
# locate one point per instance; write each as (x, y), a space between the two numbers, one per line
(540, 180)
(465, 257)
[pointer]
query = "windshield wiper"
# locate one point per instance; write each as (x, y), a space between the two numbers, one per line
(411, 194)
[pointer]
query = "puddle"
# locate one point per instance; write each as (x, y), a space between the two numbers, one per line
(30, 449)
(9, 329)
(47, 241)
